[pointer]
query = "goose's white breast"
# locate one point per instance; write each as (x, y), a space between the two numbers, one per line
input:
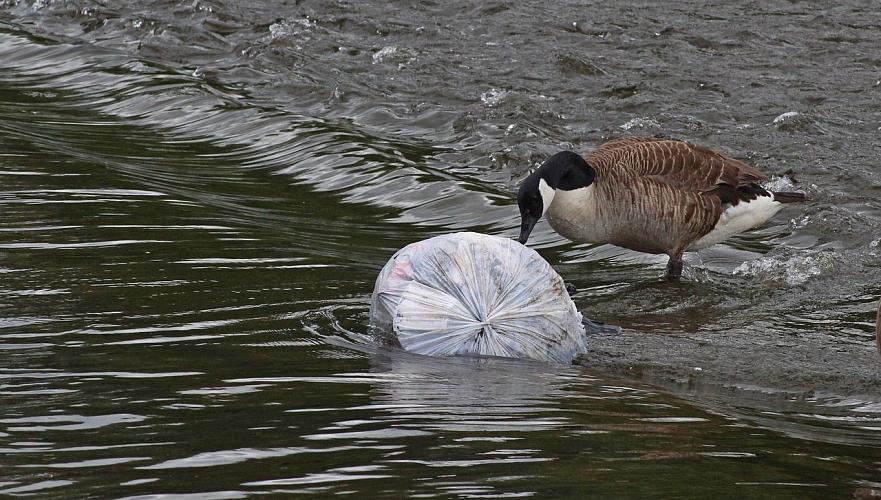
(574, 215)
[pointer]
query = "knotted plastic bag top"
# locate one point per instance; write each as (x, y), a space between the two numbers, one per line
(475, 294)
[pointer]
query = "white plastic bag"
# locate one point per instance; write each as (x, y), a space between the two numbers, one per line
(474, 294)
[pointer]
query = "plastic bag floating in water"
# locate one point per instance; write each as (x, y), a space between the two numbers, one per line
(474, 294)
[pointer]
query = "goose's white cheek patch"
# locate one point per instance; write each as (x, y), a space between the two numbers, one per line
(547, 195)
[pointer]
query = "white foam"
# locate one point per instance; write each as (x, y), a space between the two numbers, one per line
(789, 266)
(800, 222)
(290, 28)
(493, 97)
(640, 123)
(779, 183)
(383, 53)
(783, 118)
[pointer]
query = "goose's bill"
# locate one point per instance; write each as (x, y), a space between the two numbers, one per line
(526, 228)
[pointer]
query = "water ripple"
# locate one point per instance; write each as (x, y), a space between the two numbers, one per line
(196, 199)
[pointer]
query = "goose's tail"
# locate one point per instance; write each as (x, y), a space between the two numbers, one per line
(789, 197)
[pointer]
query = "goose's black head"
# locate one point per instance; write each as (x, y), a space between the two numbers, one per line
(565, 171)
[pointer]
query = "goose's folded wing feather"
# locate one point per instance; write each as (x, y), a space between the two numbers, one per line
(675, 163)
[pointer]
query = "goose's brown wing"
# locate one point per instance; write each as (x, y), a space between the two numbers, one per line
(677, 164)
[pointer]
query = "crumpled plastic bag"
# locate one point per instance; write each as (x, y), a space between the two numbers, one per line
(475, 294)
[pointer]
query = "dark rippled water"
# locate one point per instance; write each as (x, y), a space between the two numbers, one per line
(195, 198)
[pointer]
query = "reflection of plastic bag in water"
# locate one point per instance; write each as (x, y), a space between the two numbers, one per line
(469, 293)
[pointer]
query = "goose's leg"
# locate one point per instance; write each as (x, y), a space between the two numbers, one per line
(674, 267)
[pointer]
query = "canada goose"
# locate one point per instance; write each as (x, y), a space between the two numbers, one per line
(649, 195)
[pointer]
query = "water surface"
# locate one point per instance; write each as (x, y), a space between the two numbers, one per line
(196, 198)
